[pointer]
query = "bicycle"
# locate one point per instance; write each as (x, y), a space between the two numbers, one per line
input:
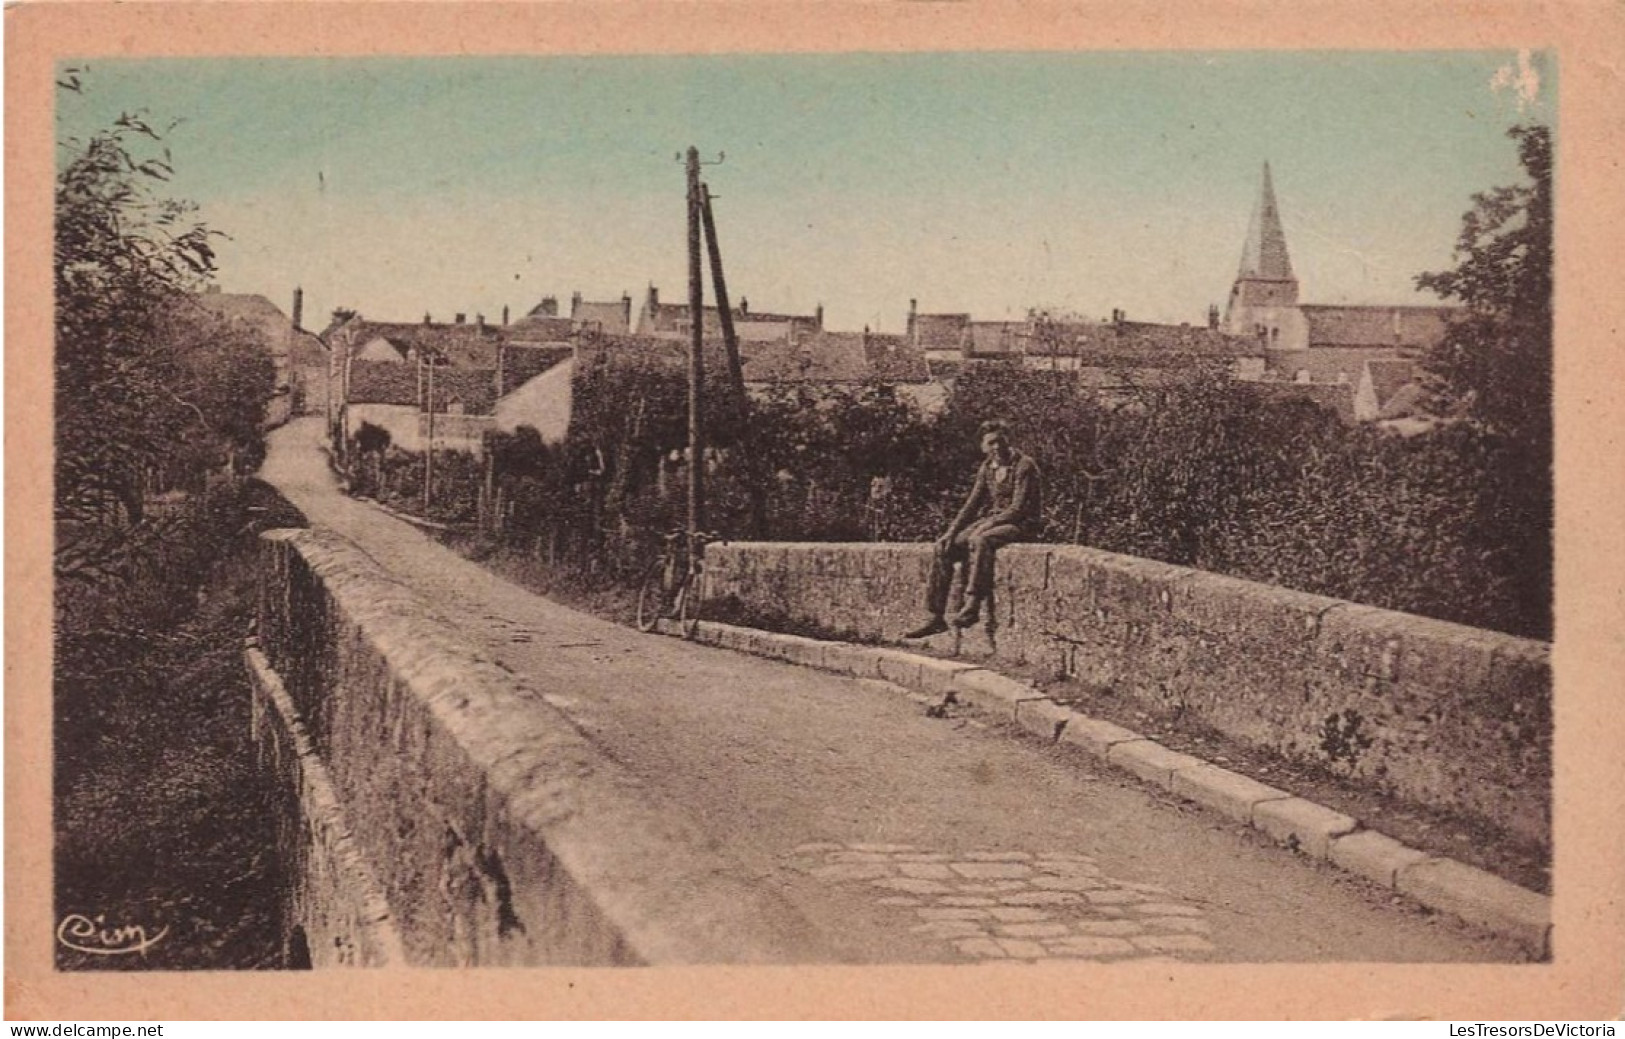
(670, 586)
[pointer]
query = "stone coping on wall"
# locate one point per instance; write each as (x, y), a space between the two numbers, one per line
(508, 774)
(1430, 712)
(1322, 834)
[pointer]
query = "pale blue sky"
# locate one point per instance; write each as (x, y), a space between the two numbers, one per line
(986, 183)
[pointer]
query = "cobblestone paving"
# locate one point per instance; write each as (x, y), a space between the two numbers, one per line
(1017, 905)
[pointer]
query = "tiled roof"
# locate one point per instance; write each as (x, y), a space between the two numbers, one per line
(666, 316)
(1149, 345)
(383, 382)
(463, 346)
(1420, 327)
(475, 388)
(996, 338)
(1325, 364)
(1389, 377)
(1406, 402)
(245, 306)
(539, 330)
(815, 357)
(894, 359)
(610, 317)
(300, 347)
(834, 357)
(306, 350)
(520, 364)
(942, 331)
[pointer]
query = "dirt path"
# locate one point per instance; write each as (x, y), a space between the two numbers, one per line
(903, 837)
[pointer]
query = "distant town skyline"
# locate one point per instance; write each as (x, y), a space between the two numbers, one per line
(985, 183)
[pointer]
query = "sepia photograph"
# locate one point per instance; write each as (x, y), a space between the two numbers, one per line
(915, 509)
(1018, 508)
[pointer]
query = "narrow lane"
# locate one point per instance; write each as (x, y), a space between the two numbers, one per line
(905, 838)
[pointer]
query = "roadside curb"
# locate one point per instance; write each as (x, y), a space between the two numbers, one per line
(1317, 832)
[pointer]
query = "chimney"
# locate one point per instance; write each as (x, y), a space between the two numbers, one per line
(744, 305)
(426, 318)
(654, 297)
(913, 305)
(550, 306)
(462, 319)
(575, 303)
(479, 322)
(1213, 316)
(626, 309)
(298, 308)
(504, 313)
(818, 316)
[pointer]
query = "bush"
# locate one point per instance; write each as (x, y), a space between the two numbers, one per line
(1193, 470)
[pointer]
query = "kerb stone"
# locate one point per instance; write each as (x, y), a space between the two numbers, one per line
(1302, 825)
(1096, 736)
(992, 692)
(1042, 718)
(1151, 761)
(1482, 899)
(1224, 791)
(1374, 856)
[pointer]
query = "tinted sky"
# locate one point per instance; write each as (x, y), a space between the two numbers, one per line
(986, 183)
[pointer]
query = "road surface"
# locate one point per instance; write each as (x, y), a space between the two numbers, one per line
(902, 837)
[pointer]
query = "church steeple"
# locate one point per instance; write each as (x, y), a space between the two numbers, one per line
(1264, 257)
(1264, 298)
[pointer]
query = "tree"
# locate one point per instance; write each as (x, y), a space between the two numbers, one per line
(1495, 363)
(151, 391)
(1494, 367)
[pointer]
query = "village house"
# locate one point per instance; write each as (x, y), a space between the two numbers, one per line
(1107, 356)
(298, 357)
(460, 381)
(672, 321)
(606, 318)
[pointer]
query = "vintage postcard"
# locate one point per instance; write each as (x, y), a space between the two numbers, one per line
(958, 502)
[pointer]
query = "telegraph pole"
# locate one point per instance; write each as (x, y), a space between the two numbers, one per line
(428, 449)
(696, 362)
(736, 374)
(736, 370)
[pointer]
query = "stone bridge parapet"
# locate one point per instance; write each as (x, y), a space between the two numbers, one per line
(438, 810)
(1434, 713)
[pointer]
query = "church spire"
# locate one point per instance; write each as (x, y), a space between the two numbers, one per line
(1264, 257)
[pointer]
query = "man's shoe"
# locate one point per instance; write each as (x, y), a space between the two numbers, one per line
(934, 626)
(968, 616)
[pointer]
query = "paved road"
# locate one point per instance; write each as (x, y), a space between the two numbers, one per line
(904, 838)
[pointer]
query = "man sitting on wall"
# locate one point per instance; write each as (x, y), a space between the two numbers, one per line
(1005, 505)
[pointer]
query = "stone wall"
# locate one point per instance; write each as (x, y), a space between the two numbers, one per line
(1434, 713)
(493, 831)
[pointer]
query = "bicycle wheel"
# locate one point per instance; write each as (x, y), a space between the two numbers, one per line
(652, 600)
(688, 606)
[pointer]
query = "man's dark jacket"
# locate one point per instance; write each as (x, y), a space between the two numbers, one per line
(1018, 501)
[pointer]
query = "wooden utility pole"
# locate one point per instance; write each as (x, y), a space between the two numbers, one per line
(696, 362)
(755, 478)
(428, 447)
(736, 368)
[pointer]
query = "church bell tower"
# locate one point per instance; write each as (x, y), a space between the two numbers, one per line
(1264, 299)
